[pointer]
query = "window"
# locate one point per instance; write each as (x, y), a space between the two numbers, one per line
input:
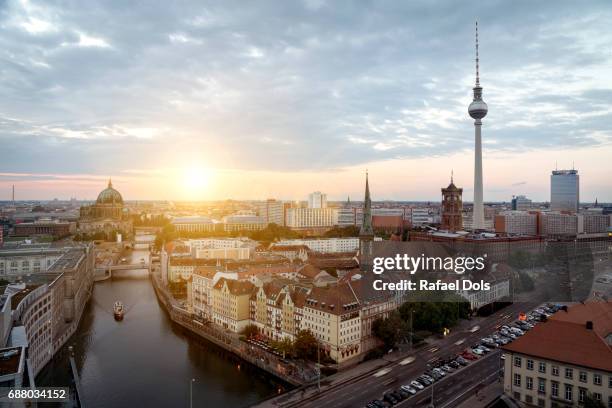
(569, 373)
(529, 399)
(530, 364)
(597, 396)
(541, 402)
(581, 394)
(582, 376)
(610, 381)
(554, 389)
(529, 383)
(517, 361)
(517, 380)
(541, 386)
(597, 379)
(568, 392)
(517, 396)
(555, 371)
(542, 367)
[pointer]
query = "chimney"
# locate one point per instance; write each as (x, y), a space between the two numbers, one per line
(589, 325)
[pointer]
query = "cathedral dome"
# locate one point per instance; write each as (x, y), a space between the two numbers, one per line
(109, 196)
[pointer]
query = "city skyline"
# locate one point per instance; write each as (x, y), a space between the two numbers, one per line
(206, 102)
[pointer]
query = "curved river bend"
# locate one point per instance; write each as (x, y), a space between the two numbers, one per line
(146, 360)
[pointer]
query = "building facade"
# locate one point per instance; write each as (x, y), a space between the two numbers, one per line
(452, 208)
(564, 190)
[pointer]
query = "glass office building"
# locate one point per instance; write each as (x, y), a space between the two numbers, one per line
(564, 190)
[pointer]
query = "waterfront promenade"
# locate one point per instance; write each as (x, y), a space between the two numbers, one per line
(288, 371)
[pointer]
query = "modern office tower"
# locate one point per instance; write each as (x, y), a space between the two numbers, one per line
(366, 233)
(478, 109)
(317, 200)
(452, 208)
(564, 190)
(271, 211)
(520, 203)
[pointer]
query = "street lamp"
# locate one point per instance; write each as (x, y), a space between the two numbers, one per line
(431, 404)
(191, 392)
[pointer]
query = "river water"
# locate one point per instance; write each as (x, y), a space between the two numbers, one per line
(146, 360)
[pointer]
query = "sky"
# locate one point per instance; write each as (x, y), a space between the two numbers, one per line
(252, 100)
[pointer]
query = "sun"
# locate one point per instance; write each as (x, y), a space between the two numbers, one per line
(195, 181)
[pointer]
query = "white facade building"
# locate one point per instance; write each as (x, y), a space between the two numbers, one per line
(317, 200)
(311, 217)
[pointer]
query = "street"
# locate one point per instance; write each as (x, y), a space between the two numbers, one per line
(355, 393)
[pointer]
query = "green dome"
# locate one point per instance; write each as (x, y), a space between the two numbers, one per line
(109, 195)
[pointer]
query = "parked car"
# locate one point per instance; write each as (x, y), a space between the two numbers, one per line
(390, 398)
(461, 361)
(469, 356)
(417, 385)
(423, 381)
(477, 352)
(410, 390)
(455, 364)
(400, 394)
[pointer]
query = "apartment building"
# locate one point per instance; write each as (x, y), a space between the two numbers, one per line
(333, 315)
(517, 223)
(276, 309)
(193, 224)
(243, 222)
(306, 218)
(231, 303)
(562, 361)
(324, 245)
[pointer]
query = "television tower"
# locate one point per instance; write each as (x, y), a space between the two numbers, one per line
(478, 109)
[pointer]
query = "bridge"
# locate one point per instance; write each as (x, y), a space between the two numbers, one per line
(107, 272)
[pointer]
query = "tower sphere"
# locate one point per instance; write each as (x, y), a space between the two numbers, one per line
(478, 109)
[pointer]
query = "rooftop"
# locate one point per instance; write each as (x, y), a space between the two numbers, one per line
(567, 338)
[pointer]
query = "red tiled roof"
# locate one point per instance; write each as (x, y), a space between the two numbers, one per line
(565, 338)
(235, 287)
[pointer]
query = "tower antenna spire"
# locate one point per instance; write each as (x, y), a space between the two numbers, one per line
(477, 59)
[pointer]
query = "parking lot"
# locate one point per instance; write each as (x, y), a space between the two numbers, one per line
(440, 368)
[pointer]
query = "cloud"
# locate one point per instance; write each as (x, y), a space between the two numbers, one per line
(289, 86)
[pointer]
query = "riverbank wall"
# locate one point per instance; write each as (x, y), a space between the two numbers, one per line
(283, 369)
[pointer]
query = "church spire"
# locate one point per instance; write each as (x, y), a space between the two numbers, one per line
(366, 225)
(110, 183)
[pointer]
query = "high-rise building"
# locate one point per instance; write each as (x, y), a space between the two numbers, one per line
(452, 208)
(478, 109)
(317, 200)
(366, 233)
(564, 190)
(520, 203)
(271, 211)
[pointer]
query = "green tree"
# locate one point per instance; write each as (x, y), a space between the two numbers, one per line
(391, 329)
(250, 331)
(305, 345)
(590, 402)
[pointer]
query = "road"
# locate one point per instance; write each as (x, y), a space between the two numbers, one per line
(358, 392)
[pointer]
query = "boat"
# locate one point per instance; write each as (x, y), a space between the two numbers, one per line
(118, 310)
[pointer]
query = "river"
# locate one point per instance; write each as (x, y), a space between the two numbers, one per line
(146, 360)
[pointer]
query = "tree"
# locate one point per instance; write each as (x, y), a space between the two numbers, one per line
(250, 331)
(590, 402)
(305, 345)
(391, 329)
